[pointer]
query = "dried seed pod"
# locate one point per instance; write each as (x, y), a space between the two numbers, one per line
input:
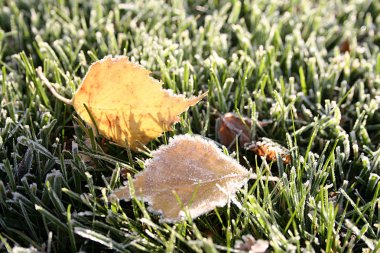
(269, 149)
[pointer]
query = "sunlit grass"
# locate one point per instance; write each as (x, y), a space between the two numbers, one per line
(285, 62)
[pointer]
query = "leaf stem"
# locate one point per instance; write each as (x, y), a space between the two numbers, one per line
(51, 88)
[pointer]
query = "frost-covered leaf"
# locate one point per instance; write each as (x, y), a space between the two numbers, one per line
(192, 168)
(251, 245)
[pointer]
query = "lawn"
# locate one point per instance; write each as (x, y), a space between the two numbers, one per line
(309, 69)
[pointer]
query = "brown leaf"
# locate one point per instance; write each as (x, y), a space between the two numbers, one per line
(269, 149)
(231, 126)
(345, 46)
(192, 168)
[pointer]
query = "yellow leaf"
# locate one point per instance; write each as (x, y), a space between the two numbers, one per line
(192, 168)
(127, 105)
